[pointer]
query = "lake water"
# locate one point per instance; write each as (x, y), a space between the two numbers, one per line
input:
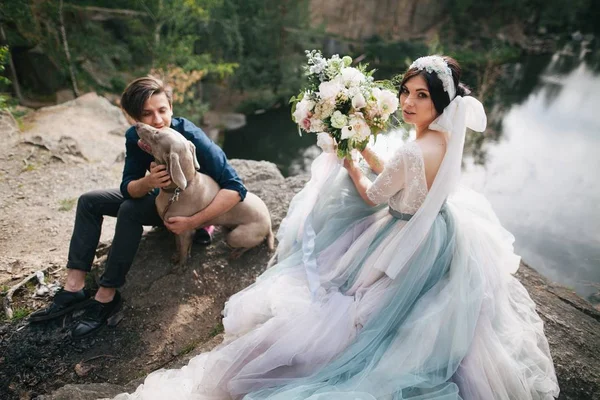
(538, 164)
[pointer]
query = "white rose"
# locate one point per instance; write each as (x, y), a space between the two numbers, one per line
(326, 142)
(358, 101)
(327, 108)
(387, 102)
(303, 108)
(316, 125)
(330, 90)
(352, 76)
(353, 91)
(324, 109)
(362, 130)
(338, 120)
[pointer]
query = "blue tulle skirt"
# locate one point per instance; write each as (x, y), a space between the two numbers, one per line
(326, 323)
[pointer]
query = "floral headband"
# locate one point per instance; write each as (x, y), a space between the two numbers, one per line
(438, 65)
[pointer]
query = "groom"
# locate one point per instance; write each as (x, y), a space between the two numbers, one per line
(145, 100)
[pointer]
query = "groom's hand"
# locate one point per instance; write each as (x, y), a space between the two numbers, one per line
(159, 176)
(178, 225)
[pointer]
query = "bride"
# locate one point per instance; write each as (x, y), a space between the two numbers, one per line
(391, 282)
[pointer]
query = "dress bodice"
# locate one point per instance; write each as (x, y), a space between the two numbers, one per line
(402, 183)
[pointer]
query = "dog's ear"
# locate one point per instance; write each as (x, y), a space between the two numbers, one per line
(193, 151)
(176, 172)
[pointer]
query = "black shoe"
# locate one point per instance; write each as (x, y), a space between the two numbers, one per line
(63, 303)
(203, 237)
(95, 316)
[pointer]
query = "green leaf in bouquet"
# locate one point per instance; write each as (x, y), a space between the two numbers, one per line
(375, 131)
(344, 107)
(293, 102)
(387, 84)
(375, 137)
(335, 133)
(397, 80)
(361, 145)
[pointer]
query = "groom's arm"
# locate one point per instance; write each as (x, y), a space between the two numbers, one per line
(213, 163)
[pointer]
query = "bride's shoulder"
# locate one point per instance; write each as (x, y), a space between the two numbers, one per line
(432, 143)
(409, 149)
(408, 152)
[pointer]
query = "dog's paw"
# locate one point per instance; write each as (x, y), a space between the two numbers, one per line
(237, 253)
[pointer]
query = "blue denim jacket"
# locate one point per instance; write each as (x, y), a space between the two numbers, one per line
(211, 158)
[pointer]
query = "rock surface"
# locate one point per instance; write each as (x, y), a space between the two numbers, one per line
(396, 20)
(168, 316)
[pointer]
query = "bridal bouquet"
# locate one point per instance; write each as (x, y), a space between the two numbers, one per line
(343, 105)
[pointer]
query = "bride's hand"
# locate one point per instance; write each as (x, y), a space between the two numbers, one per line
(350, 165)
(374, 161)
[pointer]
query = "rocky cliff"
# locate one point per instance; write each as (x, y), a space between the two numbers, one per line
(389, 19)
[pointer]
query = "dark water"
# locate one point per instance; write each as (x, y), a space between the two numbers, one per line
(537, 163)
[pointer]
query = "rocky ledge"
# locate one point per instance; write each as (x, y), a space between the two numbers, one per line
(572, 325)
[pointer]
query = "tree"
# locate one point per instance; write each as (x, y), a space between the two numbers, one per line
(268, 37)
(63, 34)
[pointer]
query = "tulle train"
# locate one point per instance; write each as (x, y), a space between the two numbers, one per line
(326, 323)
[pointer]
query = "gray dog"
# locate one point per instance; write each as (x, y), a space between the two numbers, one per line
(191, 191)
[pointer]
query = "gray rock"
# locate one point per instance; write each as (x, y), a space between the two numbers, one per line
(64, 95)
(88, 391)
(101, 106)
(395, 19)
(8, 124)
(572, 325)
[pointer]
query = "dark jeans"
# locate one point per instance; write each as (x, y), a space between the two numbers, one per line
(132, 215)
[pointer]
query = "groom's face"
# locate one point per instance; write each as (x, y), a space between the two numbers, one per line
(416, 103)
(157, 111)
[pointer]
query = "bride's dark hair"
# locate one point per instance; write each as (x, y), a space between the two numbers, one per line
(439, 97)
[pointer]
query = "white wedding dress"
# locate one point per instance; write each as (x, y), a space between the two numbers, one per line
(338, 317)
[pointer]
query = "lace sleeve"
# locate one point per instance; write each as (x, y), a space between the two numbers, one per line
(390, 181)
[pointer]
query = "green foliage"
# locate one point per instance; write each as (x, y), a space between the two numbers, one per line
(217, 329)
(66, 204)
(266, 38)
(392, 58)
(4, 55)
(29, 167)
(193, 109)
(20, 313)
(470, 17)
(117, 84)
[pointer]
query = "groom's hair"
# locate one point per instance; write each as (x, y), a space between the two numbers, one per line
(138, 91)
(439, 96)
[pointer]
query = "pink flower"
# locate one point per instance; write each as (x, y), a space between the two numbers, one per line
(306, 124)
